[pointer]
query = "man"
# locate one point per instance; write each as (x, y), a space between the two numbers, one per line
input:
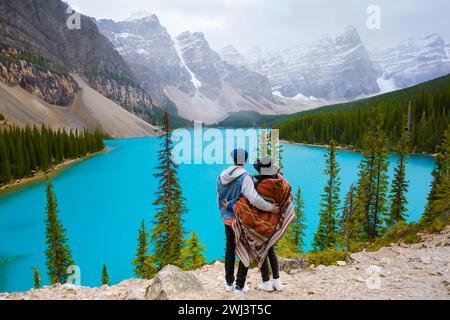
(233, 183)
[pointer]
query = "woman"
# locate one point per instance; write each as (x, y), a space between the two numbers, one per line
(257, 232)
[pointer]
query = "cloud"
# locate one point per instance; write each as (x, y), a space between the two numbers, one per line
(276, 25)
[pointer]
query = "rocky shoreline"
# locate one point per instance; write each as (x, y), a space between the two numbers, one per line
(418, 271)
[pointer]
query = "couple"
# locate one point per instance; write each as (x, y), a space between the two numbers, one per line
(256, 213)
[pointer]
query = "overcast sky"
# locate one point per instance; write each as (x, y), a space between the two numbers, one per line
(275, 25)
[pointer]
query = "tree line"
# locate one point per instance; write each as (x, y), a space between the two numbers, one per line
(25, 151)
(428, 115)
(372, 210)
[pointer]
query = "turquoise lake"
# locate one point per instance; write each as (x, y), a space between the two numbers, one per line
(103, 199)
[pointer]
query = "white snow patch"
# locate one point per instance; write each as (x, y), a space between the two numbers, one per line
(195, 81)
(299, 97)
(141, 51)
(140, 15)
(387, 85)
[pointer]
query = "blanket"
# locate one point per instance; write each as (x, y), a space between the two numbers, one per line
(257, 231)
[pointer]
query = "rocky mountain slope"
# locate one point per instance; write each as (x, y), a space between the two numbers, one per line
(38, 32)
(88, 110)
(419, 271)
(413, 61)
(50, 86)
(185, 70)
(328, 68)
(150, 51)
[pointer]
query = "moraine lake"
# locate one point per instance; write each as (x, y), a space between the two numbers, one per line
(103, 199)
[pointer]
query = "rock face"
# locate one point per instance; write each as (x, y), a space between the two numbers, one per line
(54, 88)
(413, 61)
(39, 29)
(327, 68)
(171, 283)
(232, 56)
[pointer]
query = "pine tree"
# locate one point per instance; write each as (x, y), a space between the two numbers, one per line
(141, 262)
(371, 196)
(37, 278)
(58, 253)
(326, 234)
(349, 224)
(105, 276)
(293, 243)
(438, 207)
(192, 256)
(167, 233)
(399, 188)
(296, 233)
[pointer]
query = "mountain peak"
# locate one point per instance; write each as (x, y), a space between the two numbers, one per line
(142, 15)
(231, 55)
(349, 39)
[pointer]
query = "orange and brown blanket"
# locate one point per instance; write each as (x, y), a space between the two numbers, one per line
(257, 231)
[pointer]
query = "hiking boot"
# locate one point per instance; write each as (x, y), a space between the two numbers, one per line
(266, 286)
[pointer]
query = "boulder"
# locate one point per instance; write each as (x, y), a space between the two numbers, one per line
(288, 265)
(171, 283)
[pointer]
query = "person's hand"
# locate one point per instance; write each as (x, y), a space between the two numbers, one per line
(225, 204)
(275, 209)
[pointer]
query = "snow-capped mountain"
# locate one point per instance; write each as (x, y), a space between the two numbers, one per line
(208, 85)
(185, 69)
(150, 51)
(328, 68)
(412, 62)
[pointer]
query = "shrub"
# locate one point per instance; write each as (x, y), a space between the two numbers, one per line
(437, 225)
(401, 231)
(327, 257)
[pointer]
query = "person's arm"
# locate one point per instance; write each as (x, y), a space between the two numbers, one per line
(250, 193)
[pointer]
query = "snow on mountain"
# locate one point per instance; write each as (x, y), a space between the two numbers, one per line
(254, 58)
(227, 84)
(140, 15)
(326, 68)
(231, 55)
(299, 97)
(151, 53)
(201, 60)
(413, 61)
(186, 71)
